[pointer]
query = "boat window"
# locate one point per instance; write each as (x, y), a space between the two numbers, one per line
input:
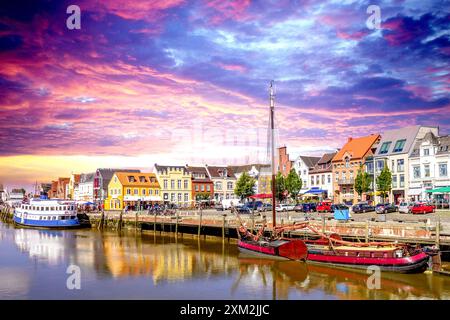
(72, 217)
(54, 217)
(52, 208)
(46, 208)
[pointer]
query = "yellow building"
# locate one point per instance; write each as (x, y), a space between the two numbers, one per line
(176, 184)
(132, 189)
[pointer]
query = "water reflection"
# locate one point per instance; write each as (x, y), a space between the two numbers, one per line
(182, 266)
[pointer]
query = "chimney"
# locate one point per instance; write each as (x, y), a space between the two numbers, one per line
(349, 139)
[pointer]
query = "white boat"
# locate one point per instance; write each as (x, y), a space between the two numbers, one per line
(47, 213)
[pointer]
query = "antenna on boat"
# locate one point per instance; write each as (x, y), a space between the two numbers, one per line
(272, 149)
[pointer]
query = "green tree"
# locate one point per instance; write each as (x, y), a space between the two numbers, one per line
(363, 182)
(293, 184)
(245, 186)
(280, 187)
(384, 181)
(203, 196)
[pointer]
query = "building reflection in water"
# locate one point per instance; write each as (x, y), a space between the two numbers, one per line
(167, 259)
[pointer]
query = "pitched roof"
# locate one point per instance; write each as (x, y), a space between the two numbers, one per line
(356, 147)
(390, 138)
(310, 161)
(215, 172)
(107, 174)
(136, 181)
(196, 171)
(327, 157)
(87, 177)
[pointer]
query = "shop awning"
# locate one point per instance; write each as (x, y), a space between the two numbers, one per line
(440, 190)
(315, 190)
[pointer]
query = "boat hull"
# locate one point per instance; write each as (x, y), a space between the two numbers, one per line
(53, 224)
(280, 250)
(415, 264)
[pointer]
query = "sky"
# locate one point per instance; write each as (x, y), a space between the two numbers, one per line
(186, 82)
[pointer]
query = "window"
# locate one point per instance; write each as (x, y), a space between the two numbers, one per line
(426, 170)
(426, 152)
(402, 181)
(142, 179)
(172, 197)
(442, 169)
(150, 192)
(179, 197)
(369, 167)
(186, 184)
(131, 179)
(304, 172)
(385, 147)
(196, 187)
(179, 184)
(165, 184)
(329, 178)
(394, 181)
(347, 162)
(380, 165)
(392, 166)
(337, 178)
(416, 172)
(143, 192)
(218, 185)
(400, 165)
(208, 188)
(317, 180)
(172, 184)
(323, 179)
(312, 180)
(136, 192)
(230, 185)
(186, 197)
(399, 145)
(156, 192)
(202, 188)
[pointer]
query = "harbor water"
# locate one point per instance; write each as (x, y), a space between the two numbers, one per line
(42, 264)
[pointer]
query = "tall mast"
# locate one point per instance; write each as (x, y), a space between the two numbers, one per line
(272, 151)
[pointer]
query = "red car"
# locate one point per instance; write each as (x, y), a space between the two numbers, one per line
(422, 208)
(324, 207)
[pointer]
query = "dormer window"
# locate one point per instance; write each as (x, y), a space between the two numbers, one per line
(385, 147)
(131, 179)
(399, 145)
(347, 162)
(142, 179)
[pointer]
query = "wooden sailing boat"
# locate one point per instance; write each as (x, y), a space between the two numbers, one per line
(275, 246)
(327, 249)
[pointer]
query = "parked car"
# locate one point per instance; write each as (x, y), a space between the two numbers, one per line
(405, 207)
(422, 208)
(324, 207)
(284, 207)
(265, 207)
(362, 207)
(385, 208)
(309, 207)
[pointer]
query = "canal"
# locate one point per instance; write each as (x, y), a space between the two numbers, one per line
(34, 265)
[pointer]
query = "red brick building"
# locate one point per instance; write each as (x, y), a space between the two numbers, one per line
(52, 193)
(284, 163)
(62, 188)
(202, 184)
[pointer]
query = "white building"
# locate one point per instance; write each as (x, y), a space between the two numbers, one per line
(428, 166)
(302, 165)
(3, 194)
(394, 150)
(15, 197)
(321, 176)
(85, 190)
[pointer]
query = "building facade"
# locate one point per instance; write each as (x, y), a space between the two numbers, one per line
(61, 191)
(176, 184)
(224, 182)
(345, 166)
(394, 150)
(302, 165)
(284, 163)
(257, 172)
(102, 178)
(133, 191)
(85, 190)
(428, 166)
(321, 176)
(73, 183)
(202, 186)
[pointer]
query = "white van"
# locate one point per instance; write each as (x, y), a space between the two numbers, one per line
(226, 203)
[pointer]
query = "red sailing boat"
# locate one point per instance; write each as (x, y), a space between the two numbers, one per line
(330, 250)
